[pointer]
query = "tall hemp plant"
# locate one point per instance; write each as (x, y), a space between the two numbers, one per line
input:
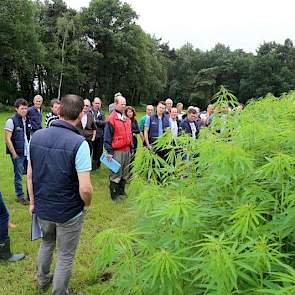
(222, 222)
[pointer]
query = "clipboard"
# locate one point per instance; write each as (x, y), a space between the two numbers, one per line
(36, 231)
(112, 165)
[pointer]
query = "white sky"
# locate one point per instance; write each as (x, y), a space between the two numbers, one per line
(236, 23)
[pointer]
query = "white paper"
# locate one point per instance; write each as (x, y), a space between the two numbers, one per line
(36, 231)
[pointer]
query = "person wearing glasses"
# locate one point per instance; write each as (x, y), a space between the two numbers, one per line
(87, 125)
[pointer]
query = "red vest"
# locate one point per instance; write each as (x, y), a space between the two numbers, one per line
(122, 138)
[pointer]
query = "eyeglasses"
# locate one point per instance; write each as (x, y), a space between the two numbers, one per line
(86, 105)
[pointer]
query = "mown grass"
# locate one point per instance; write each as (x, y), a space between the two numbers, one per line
(19, 278)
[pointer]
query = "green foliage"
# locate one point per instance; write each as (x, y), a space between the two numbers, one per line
(222, 222)
(51, 49)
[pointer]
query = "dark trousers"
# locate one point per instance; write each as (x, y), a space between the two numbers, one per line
(90, 143)
(97, 150)
(4, 219)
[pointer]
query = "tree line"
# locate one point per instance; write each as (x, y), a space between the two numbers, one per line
(51, 49)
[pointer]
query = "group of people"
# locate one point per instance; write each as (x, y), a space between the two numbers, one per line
(58, 164)
(58, 161)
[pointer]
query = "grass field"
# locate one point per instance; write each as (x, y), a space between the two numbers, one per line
(19, 278)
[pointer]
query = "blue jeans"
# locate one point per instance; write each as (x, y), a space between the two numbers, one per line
(20, 167)
(4, 219)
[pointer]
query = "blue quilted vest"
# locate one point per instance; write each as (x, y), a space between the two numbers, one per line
(55, 181)
(18, 136)
(154, 126)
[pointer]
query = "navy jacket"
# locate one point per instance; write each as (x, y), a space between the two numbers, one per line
(18, 136)
(55, 180)
(100, 122)
(186, 128)
(154, 126)
(36, 118)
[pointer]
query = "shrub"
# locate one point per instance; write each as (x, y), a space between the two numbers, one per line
(221, 223)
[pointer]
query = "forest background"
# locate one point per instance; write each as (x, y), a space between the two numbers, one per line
(51, 49)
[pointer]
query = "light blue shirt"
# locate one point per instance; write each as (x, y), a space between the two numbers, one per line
(83, 159)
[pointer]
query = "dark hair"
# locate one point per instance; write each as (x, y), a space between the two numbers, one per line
(161, 102)
(54, 101)
(191, 111)
(20, 102)
(71, 106)
(131, 109)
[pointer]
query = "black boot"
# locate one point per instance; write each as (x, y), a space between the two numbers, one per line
(114, 190)
(5, 253)
(122, 188)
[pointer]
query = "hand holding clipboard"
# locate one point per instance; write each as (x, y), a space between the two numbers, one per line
(112, 164)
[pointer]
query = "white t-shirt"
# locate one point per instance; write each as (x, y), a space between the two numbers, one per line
(84, 120)
(174, 127)
(194, 130)
(9, 126)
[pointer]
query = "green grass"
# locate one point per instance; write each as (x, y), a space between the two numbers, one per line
(19, 278)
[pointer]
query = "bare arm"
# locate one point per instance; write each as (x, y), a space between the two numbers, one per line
(146, 136)
(30, 187)
(94, 135)
(141, 136)
(85, 187)
(9, 143)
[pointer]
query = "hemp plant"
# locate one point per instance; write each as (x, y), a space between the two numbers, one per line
(221, 222)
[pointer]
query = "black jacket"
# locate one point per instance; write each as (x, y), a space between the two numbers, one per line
(100, 122)
(186, 128)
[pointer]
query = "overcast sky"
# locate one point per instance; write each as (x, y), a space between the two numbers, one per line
(236, 23)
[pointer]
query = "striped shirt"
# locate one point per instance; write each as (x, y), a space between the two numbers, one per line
(50, 117)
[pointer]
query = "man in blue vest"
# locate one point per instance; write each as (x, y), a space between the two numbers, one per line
(17, 136)
(59, 187)
(155, 125)
(35, 114)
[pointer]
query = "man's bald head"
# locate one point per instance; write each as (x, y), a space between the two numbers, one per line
(173, 113)
(120, 103)
(87, 105)
(149, 109)
(38, 97)
(86, 101)
(96, 104)
(97, 99)
(37, 101)
(169, 103)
